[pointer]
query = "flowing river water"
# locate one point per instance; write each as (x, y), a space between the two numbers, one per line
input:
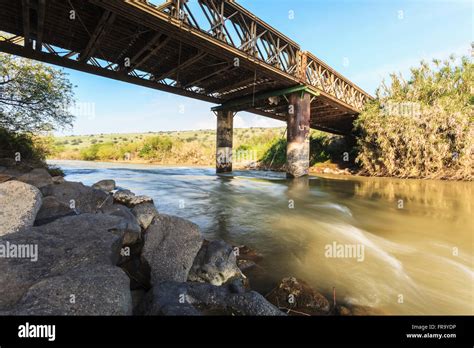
(411, 240)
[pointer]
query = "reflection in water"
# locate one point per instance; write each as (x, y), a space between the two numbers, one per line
(417, 235)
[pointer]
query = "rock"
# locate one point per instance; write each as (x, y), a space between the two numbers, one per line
(145, 213)
(129, 226)
(5, 178)
(38, 177)
(245, 253)
(58, 180)
(97, 290)
(129, 199)
(19, 204)
(85, 199)
(119, 210)
(75, 255)
(52, 209)
(298, 297)
(171, 244)
(105, 185)
(129, 231)
(174, 298)
(245, 265)
(215, 263)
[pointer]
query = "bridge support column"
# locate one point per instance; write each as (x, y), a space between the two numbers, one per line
(225, 130)
(298, 121)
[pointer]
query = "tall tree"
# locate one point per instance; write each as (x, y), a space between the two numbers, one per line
(34, 97)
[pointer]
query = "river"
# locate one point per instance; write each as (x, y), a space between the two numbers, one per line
(400, 246)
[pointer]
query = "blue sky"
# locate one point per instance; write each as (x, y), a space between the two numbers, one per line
(365, 40)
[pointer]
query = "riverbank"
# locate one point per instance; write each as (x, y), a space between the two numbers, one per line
(131, 259)
(327, 168)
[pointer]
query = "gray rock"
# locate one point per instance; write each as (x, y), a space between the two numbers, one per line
(129, 231)
(86, 199)
(105, 185)
(119, 210)
(38, 177)
(52, 209)
(145, 213)
(128, 198)
(58, 179)
(129, 226)
(215, 263)
(66, 248)
(19, 203)
(174, 298)
(95, 290)
(171, 244)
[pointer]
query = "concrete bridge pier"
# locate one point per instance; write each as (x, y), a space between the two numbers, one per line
(225, 132)
(298, 121)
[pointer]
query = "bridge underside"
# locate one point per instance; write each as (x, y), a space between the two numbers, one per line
(235, 60)
(122, 41)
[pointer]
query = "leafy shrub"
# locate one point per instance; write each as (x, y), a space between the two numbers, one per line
(421, 128)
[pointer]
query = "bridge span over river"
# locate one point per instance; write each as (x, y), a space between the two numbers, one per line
(211, 50)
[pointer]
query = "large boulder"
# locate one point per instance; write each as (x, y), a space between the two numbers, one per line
(128, 198)
(297, 297)
(145, 213)
(52, 209)
(215, 263)
(174, 298)
(129, 227)
(85, 199)
(19, 204)
(89, 290)
(105, 185)
(38, 177)
(171, 244)
(70, 256)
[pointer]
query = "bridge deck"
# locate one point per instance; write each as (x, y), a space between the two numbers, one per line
(212, 50)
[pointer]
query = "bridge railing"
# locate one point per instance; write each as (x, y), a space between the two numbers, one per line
(229, 22)
(323, 77)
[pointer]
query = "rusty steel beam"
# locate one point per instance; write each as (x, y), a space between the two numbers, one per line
(56, 59)
(106, 20)
(183, 65)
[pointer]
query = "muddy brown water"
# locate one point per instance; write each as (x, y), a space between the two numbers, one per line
(400, 246)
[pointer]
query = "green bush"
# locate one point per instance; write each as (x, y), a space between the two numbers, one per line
(421, 128)
(24, 144)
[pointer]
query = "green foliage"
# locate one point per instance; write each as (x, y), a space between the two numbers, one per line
(90, 153)
(34, 97)
(156, 147)
(22, 143)
(421, 128)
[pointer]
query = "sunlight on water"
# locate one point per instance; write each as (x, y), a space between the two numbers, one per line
(417, 235)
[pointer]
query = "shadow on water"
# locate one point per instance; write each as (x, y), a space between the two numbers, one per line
(417, 235)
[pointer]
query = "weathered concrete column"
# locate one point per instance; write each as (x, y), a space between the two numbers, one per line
(225, 130)
(298, 120)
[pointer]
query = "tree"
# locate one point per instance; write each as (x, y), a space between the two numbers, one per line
(34, 97)
(423, 127)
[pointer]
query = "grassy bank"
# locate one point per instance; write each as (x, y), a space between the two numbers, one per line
(257, 147)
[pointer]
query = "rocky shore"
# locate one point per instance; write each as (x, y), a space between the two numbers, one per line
(71, 249)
